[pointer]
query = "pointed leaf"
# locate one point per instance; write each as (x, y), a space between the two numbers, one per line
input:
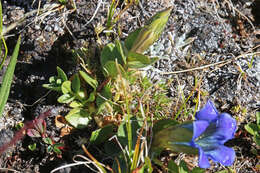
(131, 39)
(8, 77)
(251, 128)
(136, 60)
(92, 82)
(151, 31)
(61, 74)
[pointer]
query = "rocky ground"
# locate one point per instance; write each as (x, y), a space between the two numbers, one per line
(210, 41)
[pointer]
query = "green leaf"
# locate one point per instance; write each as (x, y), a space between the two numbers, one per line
(151, 31)
(52, 87)
(183, 167)
(56, 150)
(121, 54)
(47, 141)
(32, 147)
(66, 98)
(92, 96)
(66, 87)
(258, 119)
(107, 54)
(173, 167)
(106, 93)
(92, 82)
(197, 170)
(251, 128)
(61, 74)
(110, 69)
(76, 104)
(257, 140)
(168, 137)
(131, 39)
(137, 60)
(75, 83)
(8, 77)
(122, 132)
(101, 135)
(148, 165)
(163, 124)
(78, 118)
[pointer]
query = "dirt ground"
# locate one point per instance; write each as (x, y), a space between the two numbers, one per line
(213, 41)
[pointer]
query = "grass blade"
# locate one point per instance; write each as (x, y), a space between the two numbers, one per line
(8, 76)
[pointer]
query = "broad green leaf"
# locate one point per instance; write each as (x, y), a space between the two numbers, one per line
(61, 74)
(110, 69)
(79, 118)
(101, 135)
(163, 124)
(66, 98)
(92, 82)
(75, 83)
(251, 128)
(8, 77)
(107, 54)
(106, 93)
(137, 60)
(168, 137)
(66, 87)
(131, 39)
(173, 167)
(151, 31)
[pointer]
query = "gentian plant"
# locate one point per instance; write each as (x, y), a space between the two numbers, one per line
(205, 136)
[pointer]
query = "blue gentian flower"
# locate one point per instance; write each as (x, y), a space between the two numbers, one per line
(210, 131)
(205, 136)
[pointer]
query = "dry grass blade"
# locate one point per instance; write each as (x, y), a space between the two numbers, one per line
(222, 63)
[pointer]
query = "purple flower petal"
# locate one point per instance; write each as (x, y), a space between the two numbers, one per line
(222, 154)
(226, 125)
(203, 159)
(208, 112)
(198, 128)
